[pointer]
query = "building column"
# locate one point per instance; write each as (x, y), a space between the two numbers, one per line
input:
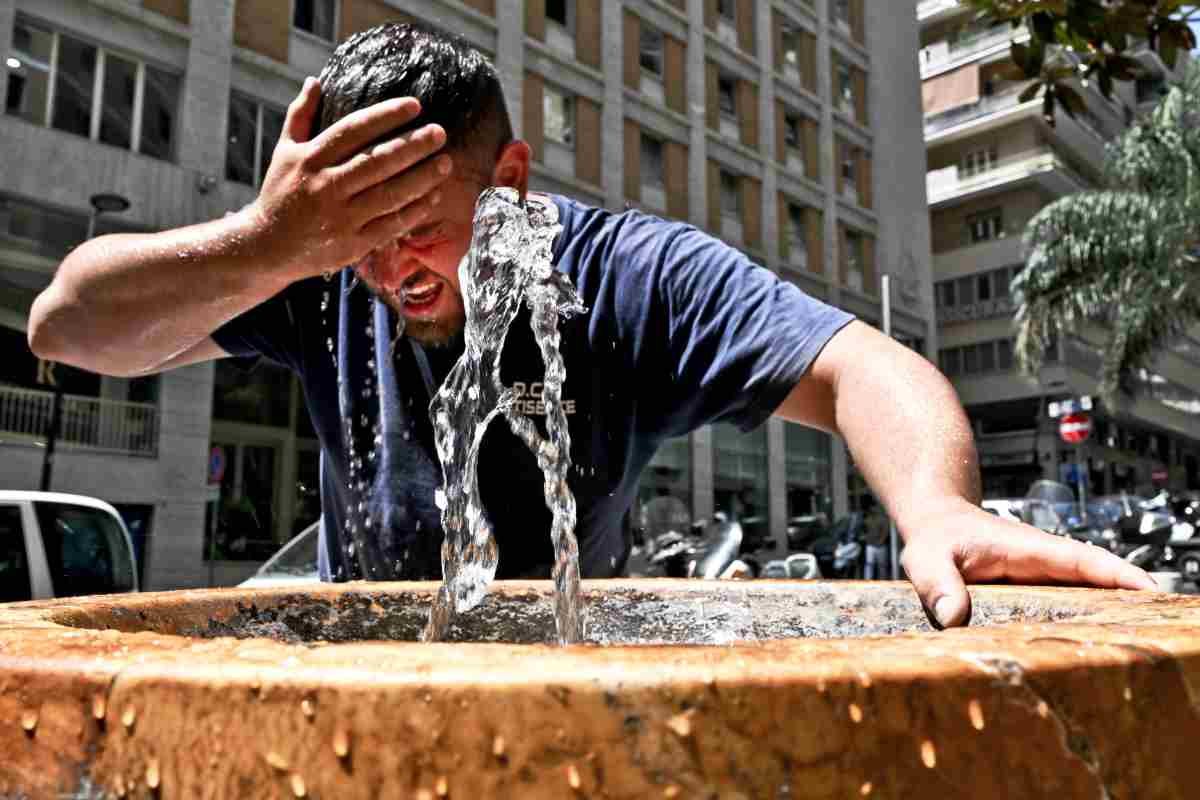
(175, 546)
(702, 474)
(697, 117)
(612, 148)
(839, 467)
(204, 117)
(510, 57)
(777, 500)
(767, 136)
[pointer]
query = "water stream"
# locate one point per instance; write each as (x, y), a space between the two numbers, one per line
(509, 263)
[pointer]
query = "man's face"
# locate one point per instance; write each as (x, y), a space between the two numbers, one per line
(417, 275)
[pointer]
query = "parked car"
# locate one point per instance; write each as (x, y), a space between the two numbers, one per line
(62, 545)
(294, 563)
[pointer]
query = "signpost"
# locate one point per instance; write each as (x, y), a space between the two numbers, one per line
(1075, 427)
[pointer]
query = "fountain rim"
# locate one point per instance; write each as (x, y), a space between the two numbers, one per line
(1112, 628)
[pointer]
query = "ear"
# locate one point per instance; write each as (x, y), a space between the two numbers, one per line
(512, 166)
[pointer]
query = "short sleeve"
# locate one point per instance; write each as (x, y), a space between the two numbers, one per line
(719, 338)
(271, 328)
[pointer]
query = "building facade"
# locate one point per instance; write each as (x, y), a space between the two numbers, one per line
(994, 162)
(789, 128)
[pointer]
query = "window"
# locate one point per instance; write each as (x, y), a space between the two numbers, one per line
(840, 10)
(1004, 354)
(561, 12)
(854, 260)
(791, 131)
(14, 564)
(727, 10)
(979, 161)
(966, 291)
(727, 95)
(731, 196)
(946, 294)
(950, 361)
(86, 550)
(316, 17)
(970, 359)
(844, 91)
(84, 89)
(653, 169)
(254, 128)
(849, 171)
(797, 234)
(789, 38)
(650, 51)
(987, 357)
(983, 287)
(985, 226)
(558, 109)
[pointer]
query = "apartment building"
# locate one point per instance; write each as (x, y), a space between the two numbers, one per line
(789, 128)
(994, 162)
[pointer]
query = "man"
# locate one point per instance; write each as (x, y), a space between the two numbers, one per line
(378, 167)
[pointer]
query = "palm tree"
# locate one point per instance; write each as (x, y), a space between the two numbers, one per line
(1127, 256)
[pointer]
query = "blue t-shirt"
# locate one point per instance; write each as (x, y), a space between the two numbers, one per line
(682, 331)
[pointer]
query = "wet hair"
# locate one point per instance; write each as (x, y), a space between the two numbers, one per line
(457, 85)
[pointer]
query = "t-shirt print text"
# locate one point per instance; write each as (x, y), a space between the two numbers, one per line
(529, 399)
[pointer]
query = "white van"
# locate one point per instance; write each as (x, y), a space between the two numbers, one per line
(62, 545)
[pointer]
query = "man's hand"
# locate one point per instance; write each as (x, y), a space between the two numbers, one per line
(958, 543)
(327, 202)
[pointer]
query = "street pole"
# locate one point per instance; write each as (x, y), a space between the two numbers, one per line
(1082, 475)
(893, 538)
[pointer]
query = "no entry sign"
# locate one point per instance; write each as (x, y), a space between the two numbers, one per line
(1075, 428)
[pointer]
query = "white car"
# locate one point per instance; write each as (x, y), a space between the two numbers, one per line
(295, 563)
(62, 545)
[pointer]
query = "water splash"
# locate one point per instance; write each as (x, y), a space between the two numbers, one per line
(509, 262)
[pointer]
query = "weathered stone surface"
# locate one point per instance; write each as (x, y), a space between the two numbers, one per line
(1063, 693)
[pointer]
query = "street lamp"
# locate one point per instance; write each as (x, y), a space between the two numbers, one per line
(103, 203)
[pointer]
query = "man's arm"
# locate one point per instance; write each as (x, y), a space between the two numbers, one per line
(909, 435)
(134, 304)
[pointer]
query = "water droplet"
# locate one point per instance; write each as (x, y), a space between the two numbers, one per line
(307, 708)
(129, 716)
(298, 787)
(152, 774)
(443, 786)
(573, 777)
(856, 714)
(1043, 710)
(928, 754)
(99, 707)
(681, 724)
(329, 344)
(29, 721)
(498, 746)
(277, 761)
(327, 275)
(439, 499)
(341, 743)
(671, 791)
(866, 789)
(975, 712)
(1128, 694)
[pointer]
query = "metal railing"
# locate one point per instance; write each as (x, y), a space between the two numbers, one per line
(87, 422)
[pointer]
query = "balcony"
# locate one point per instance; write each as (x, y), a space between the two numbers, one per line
(1042, 165)
(971, 46)
(932, 11)
(87, 423)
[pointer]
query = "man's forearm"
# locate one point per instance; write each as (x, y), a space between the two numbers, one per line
(907, 432)
(125, 304)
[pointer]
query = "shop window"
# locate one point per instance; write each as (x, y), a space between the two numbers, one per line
(809, 477)
(740, 479)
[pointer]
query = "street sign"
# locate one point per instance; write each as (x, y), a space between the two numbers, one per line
(1074, 405)
(216, 465)
(1075, 428)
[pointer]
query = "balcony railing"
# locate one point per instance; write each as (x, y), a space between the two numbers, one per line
(87, 423)
(969, 45)
(948, 182)
(985, 106)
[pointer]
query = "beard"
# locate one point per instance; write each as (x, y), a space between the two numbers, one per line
(441, 331)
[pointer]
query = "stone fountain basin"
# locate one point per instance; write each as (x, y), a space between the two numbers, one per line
(779, 689)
